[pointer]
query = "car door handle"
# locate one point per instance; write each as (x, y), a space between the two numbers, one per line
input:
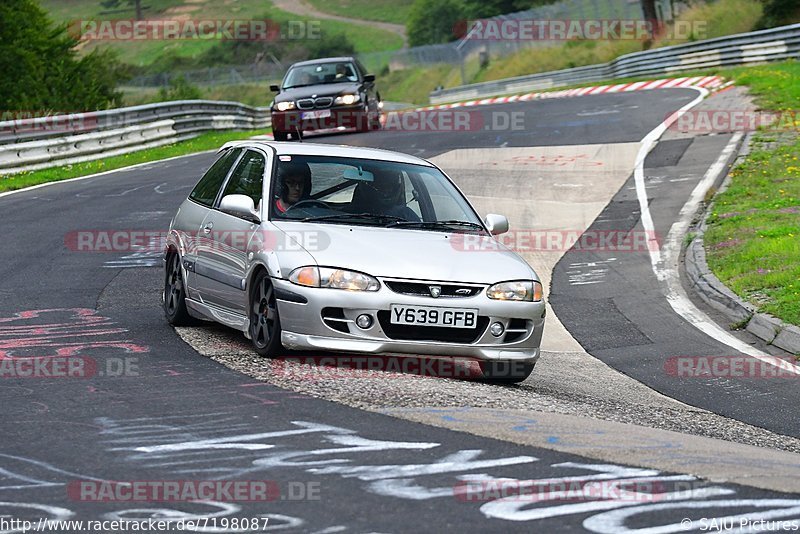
(207, 228)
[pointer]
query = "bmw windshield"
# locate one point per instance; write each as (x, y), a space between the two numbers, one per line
(368, 192)
(320, 73)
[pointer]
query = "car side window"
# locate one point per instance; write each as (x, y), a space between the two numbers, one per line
(248, 177)
(205, 192)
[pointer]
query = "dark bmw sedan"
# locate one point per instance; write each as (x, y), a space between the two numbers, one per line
(325, 94)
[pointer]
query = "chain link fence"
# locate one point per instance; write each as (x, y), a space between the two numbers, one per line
(454, 53)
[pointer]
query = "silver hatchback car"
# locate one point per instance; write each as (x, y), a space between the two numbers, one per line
(333, 248)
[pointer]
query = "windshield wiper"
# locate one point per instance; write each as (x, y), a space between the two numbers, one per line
(358, 216)
(437, 224)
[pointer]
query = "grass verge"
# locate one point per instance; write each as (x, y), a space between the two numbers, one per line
(753, 238)
(720, 18)
(206, 141)
(380, 10)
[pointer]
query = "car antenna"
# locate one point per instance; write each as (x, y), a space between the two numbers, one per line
(299, 133)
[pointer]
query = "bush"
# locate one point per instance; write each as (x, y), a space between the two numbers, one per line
(330, 46)
(179, 89)
(779, 12)
(41, 69)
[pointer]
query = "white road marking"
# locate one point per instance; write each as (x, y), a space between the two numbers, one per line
(666, 267)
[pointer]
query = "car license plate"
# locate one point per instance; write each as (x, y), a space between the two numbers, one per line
(318, 114)
(433, 316)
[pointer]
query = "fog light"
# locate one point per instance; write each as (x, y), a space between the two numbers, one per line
(364, 321)
(497, 329)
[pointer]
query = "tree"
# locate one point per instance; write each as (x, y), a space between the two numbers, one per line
(434, 21)
(118, 5)
(778, 12)
(41, 68)
(650, 15)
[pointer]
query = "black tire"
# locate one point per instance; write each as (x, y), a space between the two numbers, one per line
(280, 136)
(265, 323)
(506, 371)
(175, 292)
(376, 123)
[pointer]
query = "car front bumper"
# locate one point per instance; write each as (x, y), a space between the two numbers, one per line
(307, 325)
(341, 117)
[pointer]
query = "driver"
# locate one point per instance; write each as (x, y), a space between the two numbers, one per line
(294, 179)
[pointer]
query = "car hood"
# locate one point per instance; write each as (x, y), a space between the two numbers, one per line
(417, 254)
(328, 89)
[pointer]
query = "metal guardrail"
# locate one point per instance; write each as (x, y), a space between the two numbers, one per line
(43, 142)
(741, 49)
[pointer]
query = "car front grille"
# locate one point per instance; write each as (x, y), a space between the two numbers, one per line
(420, 289)
(312, 103)
(431, 333)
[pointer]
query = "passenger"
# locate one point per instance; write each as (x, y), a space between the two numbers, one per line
(385, 195)
(341, 71)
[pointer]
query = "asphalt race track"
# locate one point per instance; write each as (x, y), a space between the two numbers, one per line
(153, 409)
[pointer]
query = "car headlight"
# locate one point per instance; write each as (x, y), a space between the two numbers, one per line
(528, 290)
(333, 279)
(284, 106)
(347, 99)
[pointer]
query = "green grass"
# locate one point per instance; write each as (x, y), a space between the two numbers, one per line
(414, 85)
(724, 17)
(145, 52)
(206, 141)
(381, 10)
(753, 238)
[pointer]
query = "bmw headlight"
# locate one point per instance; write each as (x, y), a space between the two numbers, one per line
(333, 279)
(347, 99)
(527, 290)
(284, 106)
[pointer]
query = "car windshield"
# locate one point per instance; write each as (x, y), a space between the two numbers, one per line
(324, 189)
(320, 73)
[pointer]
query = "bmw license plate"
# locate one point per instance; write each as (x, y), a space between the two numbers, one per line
(318, 114)
(434, 316)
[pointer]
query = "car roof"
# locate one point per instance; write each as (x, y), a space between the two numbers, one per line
(319, 149)
(323, 60)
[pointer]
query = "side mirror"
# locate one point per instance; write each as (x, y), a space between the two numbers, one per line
(274, 88)
(497, 224)
(240, 206)
(369, 77)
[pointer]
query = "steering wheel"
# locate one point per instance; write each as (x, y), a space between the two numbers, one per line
(309, 202)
